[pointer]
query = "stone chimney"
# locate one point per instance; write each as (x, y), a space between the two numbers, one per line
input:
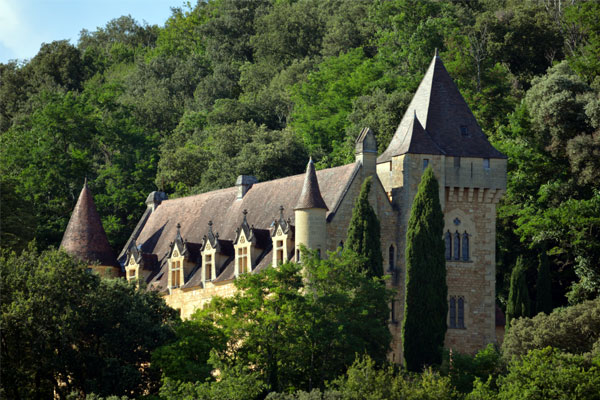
(365, 151)
(244, 183)
(154, 199)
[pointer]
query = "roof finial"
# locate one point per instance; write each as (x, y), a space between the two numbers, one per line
(85, 181)
(210, 224)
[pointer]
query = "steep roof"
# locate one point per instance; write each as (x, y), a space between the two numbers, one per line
(224, 209)
(417, 141)
(84, 237)
(445, 116)
(311, 194)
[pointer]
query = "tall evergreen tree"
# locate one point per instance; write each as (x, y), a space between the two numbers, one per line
(518, 296)
(543, 295)
(426, 305)
(364, 234)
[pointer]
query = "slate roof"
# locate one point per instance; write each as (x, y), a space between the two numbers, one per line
(445, 116)
(311, 194)
(263, 201)
(84, 237)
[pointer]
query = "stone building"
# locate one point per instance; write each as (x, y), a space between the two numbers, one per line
(193, 248)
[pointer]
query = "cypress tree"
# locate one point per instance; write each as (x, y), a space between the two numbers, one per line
(426, 305)
(364, 232)
(543, 287)
(518, 295)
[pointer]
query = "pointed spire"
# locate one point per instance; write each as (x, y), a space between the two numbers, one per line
(445, 116)
(311, 195)
(85, 237)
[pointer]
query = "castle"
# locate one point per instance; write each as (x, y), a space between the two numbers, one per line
(193, 248)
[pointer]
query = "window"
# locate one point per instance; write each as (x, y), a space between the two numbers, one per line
(175, 274)
(457, 246)
(465, 246)
(456, 162)
(452, 312)
(425, 163)
(464, 130)
(457, 312)
(448, 241)
(393, 312)
(243, 259)
(279, 247)
(131, 274)
(208, 267)
(297, 256)
(486, 163)
(392, 259)
(319, 253)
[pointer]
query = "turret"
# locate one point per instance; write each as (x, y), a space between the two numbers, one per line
(310, 214)
(85, 238)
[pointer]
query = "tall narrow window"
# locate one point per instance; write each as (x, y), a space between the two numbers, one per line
(243, 259)
(461, 313)
(457, 246)
(425, 163)
(448, 241)
(392, 260)
(393, 311)
(486, 163)
(452, 310)
(175, 274)
(131, 275)
(279, 246)
(208, 266)
(465, 246)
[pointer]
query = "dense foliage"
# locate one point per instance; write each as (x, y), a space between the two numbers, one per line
(65, 330)
(364, 233)
(426, 288)
(518, 304)
(291, 327)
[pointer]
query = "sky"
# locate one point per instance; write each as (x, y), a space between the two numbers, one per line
(26, 24)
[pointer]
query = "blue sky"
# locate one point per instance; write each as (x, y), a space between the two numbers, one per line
(26, 24)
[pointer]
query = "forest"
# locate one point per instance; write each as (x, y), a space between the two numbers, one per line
(231, 87)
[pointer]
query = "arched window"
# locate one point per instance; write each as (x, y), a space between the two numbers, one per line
(457, 246)
(341, 245)
(452, 310)
(392, 259)
(448, 240)
(465, 246)
(461, 313)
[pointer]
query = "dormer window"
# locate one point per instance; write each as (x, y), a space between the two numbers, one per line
(282, 236)
(175, 274)
(242, 259)
(279, 252)
(131, 274)
(208, 263)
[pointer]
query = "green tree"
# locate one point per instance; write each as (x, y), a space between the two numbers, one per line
(549, 374)
(518, 297)
(426, 289)
(299, 329)
(574, 329)
(65, 330)
(364, 233)
(543, 286)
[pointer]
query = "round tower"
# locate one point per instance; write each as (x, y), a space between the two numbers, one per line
(310, 215)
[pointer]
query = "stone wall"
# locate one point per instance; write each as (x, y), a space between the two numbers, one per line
(189, 300)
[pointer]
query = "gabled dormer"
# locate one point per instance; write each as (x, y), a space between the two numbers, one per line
(139, 265)
(215, 254)
(282, 235)
(183, 258)
(249, 244)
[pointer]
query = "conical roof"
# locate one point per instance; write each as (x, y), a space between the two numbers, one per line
(311, 194)
(84, 237)
(445, 116)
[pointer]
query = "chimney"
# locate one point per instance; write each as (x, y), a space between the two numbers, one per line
(244, 183)
(154, 199)
(366, 151)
